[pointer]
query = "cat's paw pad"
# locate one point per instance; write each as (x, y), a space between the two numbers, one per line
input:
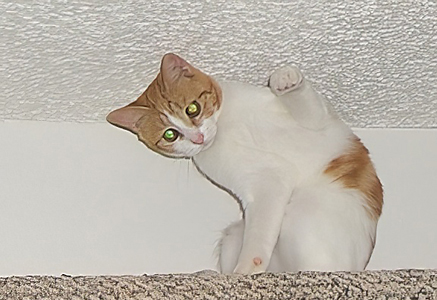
(285, 80)
(257, 261)
(255, 266)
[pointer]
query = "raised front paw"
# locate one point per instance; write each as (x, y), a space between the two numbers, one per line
(255, 265)
(285, 80)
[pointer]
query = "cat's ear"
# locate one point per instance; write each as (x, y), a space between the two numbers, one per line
(173, 67)
(127, 117)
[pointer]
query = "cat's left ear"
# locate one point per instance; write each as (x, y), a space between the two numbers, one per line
(173, 67)
(127, 117)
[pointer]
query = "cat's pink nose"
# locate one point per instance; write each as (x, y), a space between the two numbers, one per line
(197, 138)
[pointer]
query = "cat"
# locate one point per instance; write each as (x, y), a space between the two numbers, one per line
(308, 190)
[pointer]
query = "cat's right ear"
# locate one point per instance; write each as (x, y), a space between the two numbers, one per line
(173, 67)
(127, 117)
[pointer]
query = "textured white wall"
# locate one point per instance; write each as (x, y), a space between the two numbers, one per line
(75, 60)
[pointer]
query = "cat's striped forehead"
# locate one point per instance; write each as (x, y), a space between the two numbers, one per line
(174, 104)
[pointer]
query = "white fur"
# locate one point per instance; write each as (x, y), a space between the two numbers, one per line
(271, 151)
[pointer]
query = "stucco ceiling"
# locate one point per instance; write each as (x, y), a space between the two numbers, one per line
(76, 60)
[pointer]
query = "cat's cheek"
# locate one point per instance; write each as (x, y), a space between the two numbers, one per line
(166, 149)
(210, 136)
(209, 130)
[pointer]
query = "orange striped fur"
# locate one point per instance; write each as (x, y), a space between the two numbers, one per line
(356, 171)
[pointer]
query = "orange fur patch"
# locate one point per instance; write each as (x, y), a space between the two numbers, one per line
(356, 171)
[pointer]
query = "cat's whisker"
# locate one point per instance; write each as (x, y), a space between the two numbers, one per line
(178, 161)
(188, 171)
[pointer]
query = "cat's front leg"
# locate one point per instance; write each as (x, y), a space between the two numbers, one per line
(309, 108)
(263, 218)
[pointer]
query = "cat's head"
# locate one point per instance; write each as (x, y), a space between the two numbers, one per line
(177, 114)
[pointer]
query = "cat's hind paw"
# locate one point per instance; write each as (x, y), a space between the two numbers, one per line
(285, 79)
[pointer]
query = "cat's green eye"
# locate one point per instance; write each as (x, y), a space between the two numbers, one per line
(193, 109)
(170, 135)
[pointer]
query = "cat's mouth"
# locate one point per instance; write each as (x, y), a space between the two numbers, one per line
(206, 142)
(200, 143)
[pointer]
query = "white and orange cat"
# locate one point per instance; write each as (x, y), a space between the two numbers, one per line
(309, 192)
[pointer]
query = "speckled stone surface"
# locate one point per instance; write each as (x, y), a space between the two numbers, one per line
(400, 284)
(76, 60)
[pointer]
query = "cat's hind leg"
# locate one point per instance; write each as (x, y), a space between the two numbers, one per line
(309, 108)
(229, 247)
(325, 228)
